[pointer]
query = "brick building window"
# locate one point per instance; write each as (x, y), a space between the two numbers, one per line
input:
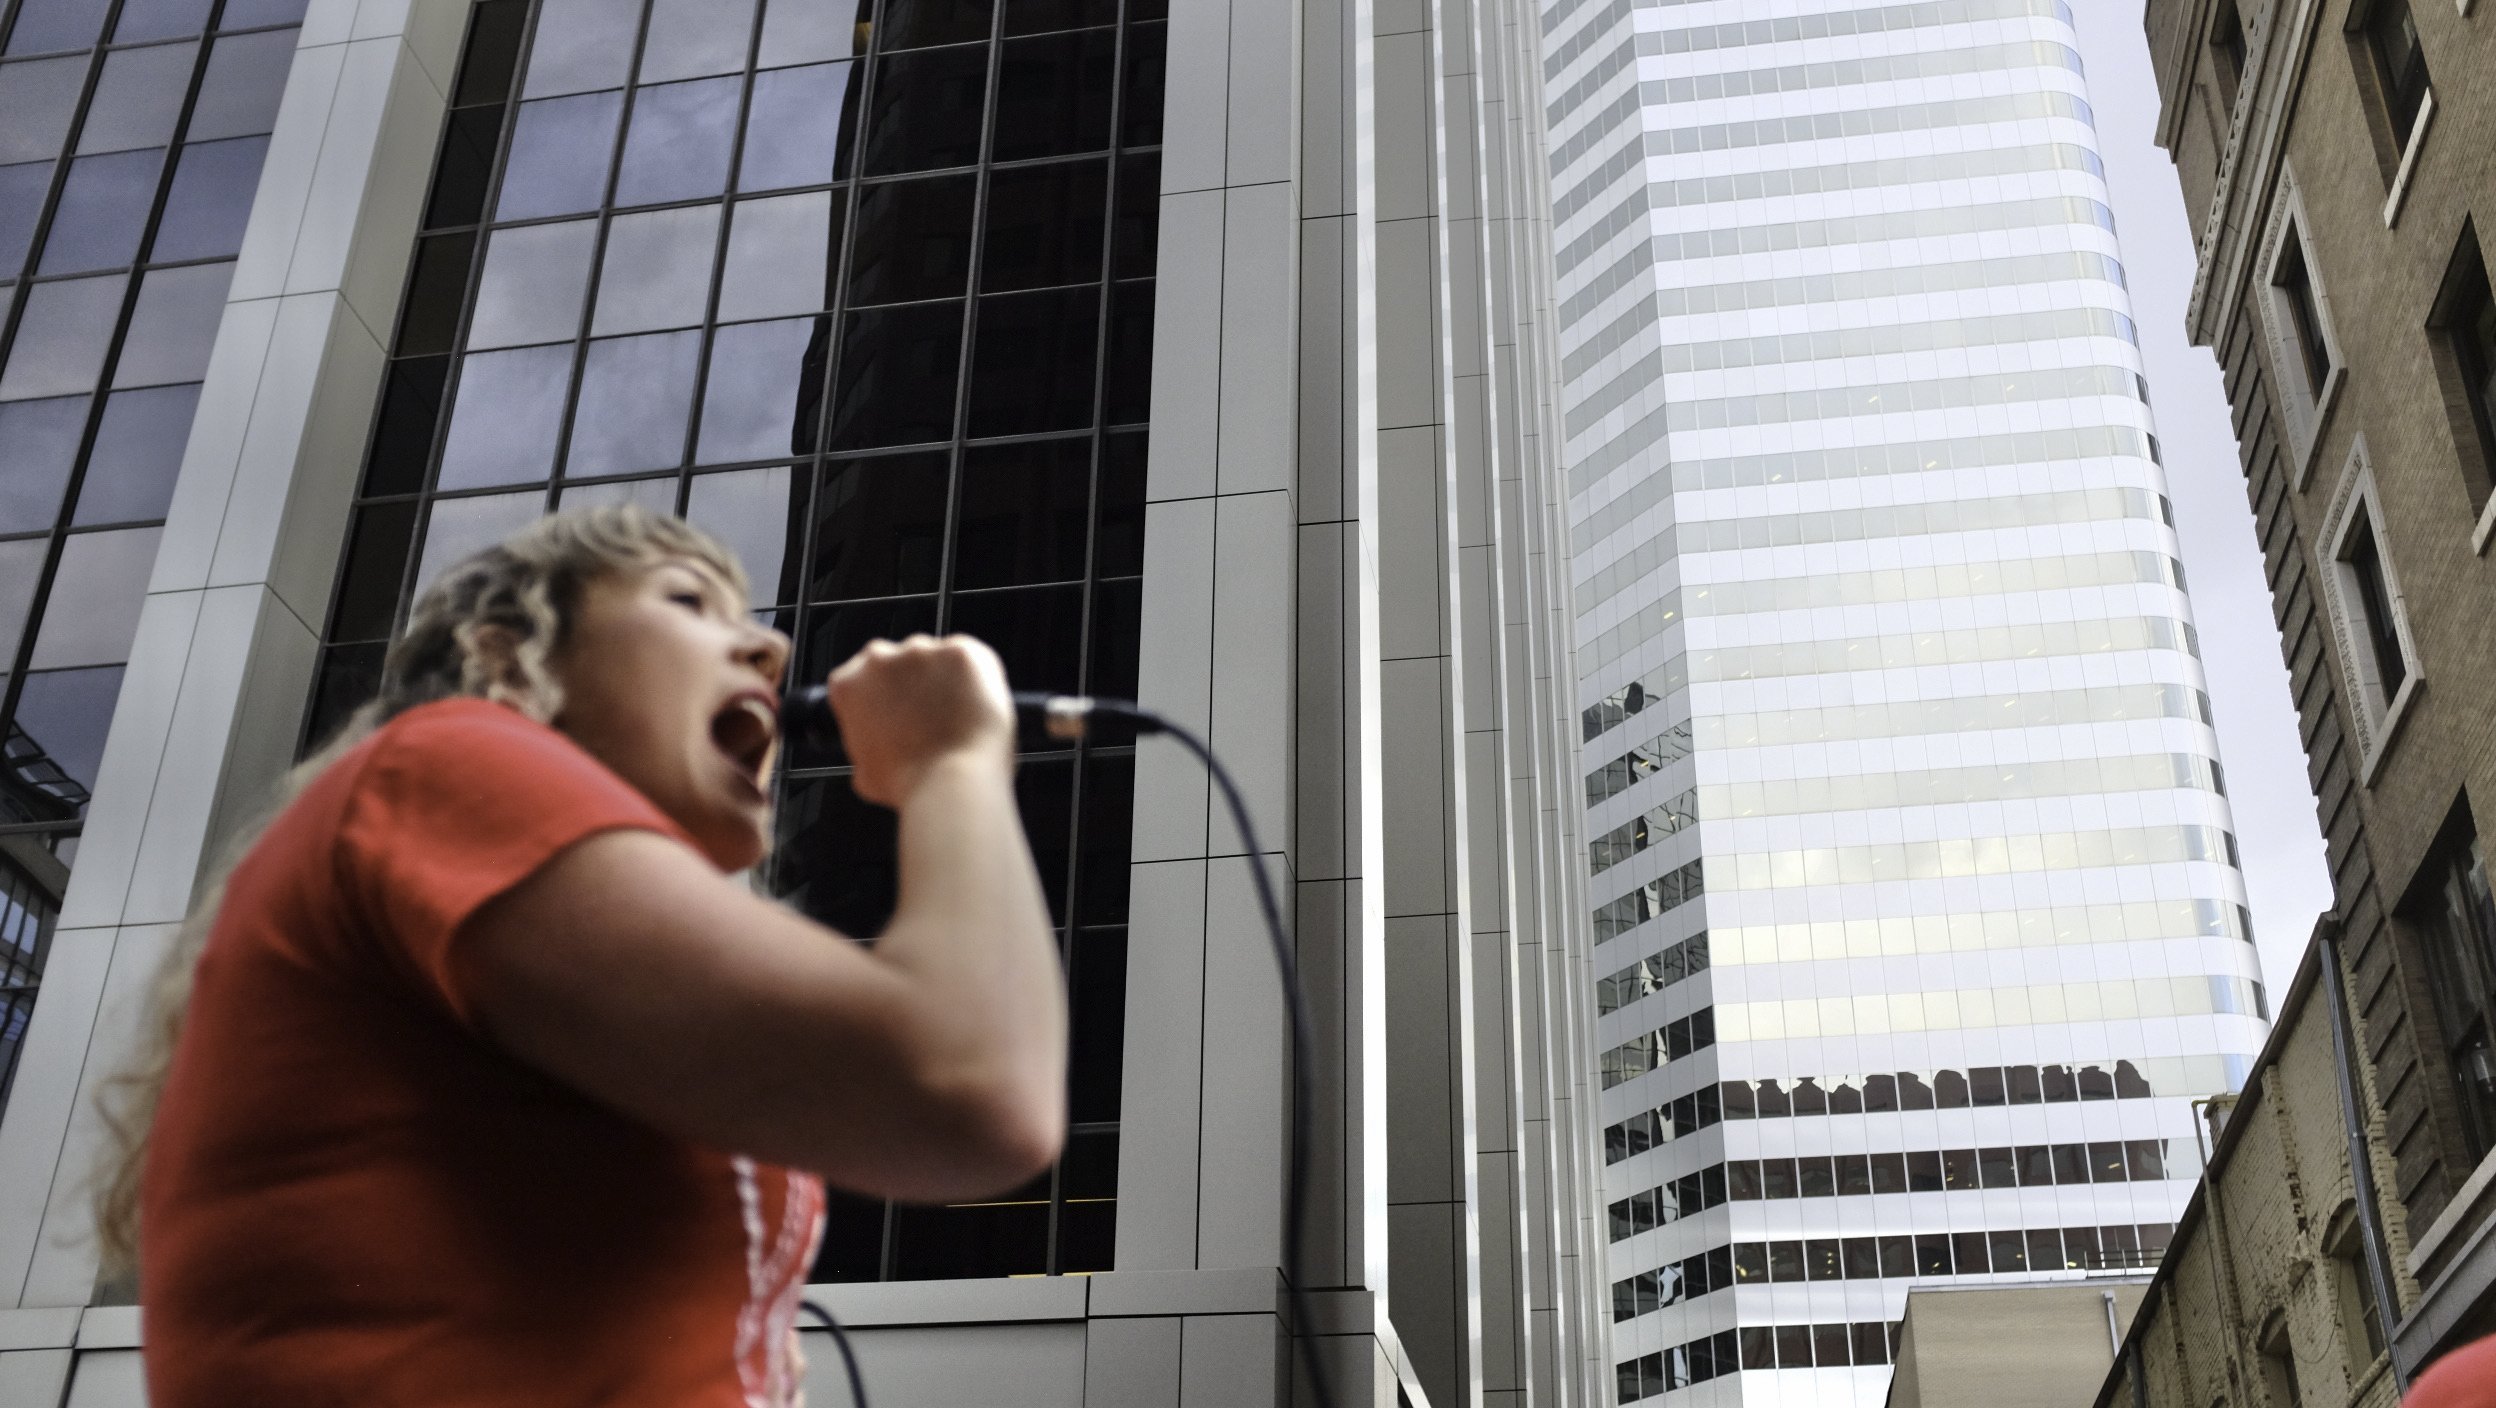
(2392, 68)
(2228, 49)
(2370, 625)
(2452, 918)
(2463, 328)
(2279, 1365)
(2301, 307)
(2400, 63)
(2361, 1320)
(2362, 559)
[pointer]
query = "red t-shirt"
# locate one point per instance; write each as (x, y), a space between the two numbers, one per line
(351, 1197)
(2465, 1378)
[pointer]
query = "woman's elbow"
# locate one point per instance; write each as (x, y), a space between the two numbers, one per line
(1003, 1132)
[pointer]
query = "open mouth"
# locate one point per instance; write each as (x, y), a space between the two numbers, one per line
(745, 732)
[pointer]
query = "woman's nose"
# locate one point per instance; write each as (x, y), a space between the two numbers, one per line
(767, 652)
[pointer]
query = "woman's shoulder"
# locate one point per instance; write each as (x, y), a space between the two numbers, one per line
(474, 738)
(453, 754)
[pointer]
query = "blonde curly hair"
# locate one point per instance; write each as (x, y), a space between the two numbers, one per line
(488, 628)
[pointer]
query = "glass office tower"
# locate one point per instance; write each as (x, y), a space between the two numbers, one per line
(1918, 919)
(870, 297)
(1231, 392)
(132, 134)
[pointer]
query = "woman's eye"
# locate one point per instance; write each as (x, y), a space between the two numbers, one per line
(691, 601)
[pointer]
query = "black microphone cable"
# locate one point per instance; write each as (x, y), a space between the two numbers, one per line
(1068, 717)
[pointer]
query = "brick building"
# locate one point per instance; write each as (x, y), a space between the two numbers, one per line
(2335, 154)
(2267, 1294)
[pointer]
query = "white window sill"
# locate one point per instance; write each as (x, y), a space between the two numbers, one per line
(2409, 161)
(2319, 422)
(2388, 728)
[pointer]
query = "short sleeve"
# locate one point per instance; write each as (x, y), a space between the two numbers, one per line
(458, 803)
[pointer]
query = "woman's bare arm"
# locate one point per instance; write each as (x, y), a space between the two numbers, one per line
(930, 1068)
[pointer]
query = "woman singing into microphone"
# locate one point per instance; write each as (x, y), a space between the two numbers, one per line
(483, 1079)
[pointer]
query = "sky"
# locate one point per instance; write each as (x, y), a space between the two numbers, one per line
(2276, 832)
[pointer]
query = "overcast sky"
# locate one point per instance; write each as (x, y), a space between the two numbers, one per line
(2266, 778)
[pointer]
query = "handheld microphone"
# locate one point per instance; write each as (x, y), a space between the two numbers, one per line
(807, 712)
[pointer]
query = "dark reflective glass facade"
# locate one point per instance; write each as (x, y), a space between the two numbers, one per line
(866, 290)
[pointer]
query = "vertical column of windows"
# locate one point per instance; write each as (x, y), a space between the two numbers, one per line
(867, 291)
(131, 138)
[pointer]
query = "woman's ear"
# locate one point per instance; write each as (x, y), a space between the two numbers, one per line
(495, 666)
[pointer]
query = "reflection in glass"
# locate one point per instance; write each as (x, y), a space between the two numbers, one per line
(809, 31)
(1038, 631)
(93, 608)
(749, 510)
(464, 166)
(656, 495)
(38, 443)
(21, 565)
(137, 98)
(47, 26)
(535, 278)
(1136, 242)
(1118, 543)
(1043, 226)
(368, 590)
(918, 24)
(1032, 367)
(65, 714)
(1117, 633)
(694, 38)
(102, 212)
(1104, 840)
(879, 527)
(61, 337)
(678, 145)
(251, 14)
(1128, 397)
(581, 45)
(1139, 115)
(1039, 16)
(210, 201)
(757, 392)
(173, 325)
(1023, 512)
(834, 861)
(927, 110)
(801, 127)
(429, 321)
(657, 270)
(22, 189)
(503, 424)
(160, 19)
(558, 159)
(238, 95)
(37, 101)
(1088, 1175)
(898, 370)
(778, 257)
(458, 527)
(913, 240)
(636, 397)
(138, 450)
(411, 408)
(1053, 95)
(493, 54)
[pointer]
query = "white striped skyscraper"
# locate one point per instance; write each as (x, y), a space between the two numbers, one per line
(1914, 881)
